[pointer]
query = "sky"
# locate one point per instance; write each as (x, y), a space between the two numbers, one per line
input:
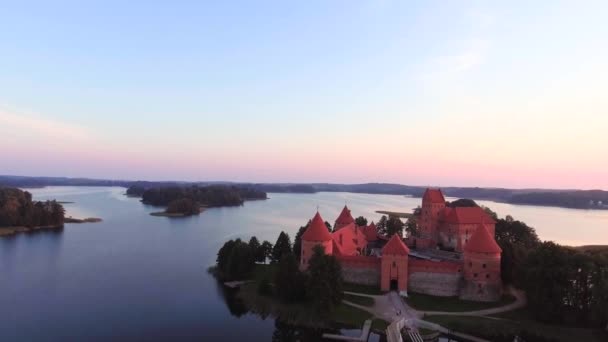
(462, 93)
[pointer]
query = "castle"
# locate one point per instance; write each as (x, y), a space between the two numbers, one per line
(454, 252)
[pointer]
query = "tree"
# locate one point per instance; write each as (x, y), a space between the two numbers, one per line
(462, 202)
(325, 283)
(516, 239)
(240, 262)
(289, 281)
(297, 243)
(282, 246)
(223, 254)
(254, 244)
(490, 212)
(390, 226)
(264, 251)
(361, 221)
(235, 260)
(411, 226)
(184, 206)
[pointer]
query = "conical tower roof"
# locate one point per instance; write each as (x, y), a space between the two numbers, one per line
(482, 242)
(345, 217)
(317, 230)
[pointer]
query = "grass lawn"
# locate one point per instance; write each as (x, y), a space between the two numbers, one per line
(379, 325)
(264, 270)
(425, 302)
(371, 290)
(365, 301)
(424, 331)
(348, 315)
(503, 329)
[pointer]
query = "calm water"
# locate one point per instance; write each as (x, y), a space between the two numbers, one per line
(135, 276)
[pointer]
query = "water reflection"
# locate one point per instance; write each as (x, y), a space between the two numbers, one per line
(283, 331)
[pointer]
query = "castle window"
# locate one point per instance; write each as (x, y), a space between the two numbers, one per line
(394, 264)
(475, 275)
(484, 265)
(488, 276)
(470, 264)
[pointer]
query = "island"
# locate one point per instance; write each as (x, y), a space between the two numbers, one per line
(19, 213)
(85, 220)
(454, 269)
(180, 201)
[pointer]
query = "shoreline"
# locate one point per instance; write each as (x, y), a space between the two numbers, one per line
(85, 220)
(10, 231)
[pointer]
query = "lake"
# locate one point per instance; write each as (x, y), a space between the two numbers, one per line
(139, 277)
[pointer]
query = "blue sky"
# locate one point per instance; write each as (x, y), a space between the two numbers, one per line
(426, 92)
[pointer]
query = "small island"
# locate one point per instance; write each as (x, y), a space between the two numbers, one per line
(181, 201)
(85, 220)
(19, 213)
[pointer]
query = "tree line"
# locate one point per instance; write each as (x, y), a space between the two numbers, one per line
(580, 199)
(321, 284)
(212, 195)
(18, 209)
(564, 285)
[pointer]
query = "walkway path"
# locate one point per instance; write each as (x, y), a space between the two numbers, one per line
(392, 308)
(520, 302)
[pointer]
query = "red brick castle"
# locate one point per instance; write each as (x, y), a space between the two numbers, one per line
(454, 252)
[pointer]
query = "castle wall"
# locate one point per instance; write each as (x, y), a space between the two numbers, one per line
(435, 278)
(481, 291)
(481, 277)
(360, 269)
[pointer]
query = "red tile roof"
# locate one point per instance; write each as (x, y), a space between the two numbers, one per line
(395, 246)
(433, 196)
(345, 217)
(466, 215)
(350, 238)
(317, 230)
(482, 242)
(371, 232)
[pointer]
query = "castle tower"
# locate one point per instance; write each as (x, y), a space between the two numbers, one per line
(344, 219)
(394, 266)
(482, 267)
(432, 203)
(315, 234)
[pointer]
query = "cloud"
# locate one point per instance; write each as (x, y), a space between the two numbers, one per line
(470, 56)
(14, 121)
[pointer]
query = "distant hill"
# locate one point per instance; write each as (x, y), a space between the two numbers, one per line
(579, 199)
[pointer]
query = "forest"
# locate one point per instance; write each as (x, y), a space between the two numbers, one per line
(580, 199)
(210, 196)
(17, 209)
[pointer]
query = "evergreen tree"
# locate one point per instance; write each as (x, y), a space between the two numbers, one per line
(297, 243)
(289, 281)
(361, 221)
(255, 246)
(281, 247)
(390, 226)
(222, 256)
(324, 281)
(241, 262)
(264, 251)
(411, 226)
